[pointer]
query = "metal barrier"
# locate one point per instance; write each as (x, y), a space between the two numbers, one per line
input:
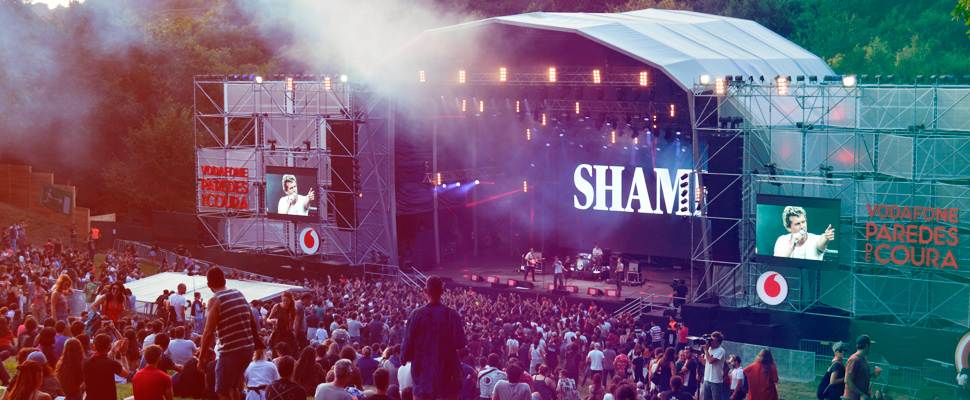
(939, 374)
(819, 347)
(169, 258)
(904, 378)
(793, 365)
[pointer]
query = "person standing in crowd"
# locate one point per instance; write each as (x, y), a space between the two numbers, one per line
(284, 388)
(101, 368)
(432, 338)
(762, 377)
(230, 319)
(112, 305)
(857, 372)
(28, 383)
(713, 355)
(382, 379)
(594, 362)
(198, 313)
(489, 376)
(836, 371)
(177, 304)
(738, 389)
(62, 290)
(284, 317)
(150, 383)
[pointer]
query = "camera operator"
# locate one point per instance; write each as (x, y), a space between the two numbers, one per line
(712, 355)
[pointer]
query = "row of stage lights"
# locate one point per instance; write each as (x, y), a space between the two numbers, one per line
(552, 76)
(781, 82)
(258, 79)
(542, 118)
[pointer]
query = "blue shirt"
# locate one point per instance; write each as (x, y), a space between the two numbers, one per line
(432, 337)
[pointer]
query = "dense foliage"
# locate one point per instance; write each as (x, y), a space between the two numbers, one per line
(100, 92)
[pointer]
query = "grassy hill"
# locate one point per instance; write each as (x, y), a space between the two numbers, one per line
(39, 228)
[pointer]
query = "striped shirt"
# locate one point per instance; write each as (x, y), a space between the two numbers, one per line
(655, 333)
(234, 326)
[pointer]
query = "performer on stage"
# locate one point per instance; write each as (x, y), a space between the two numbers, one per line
(799, 243)
(569, 267)
(293, 203)
(619, 275)
(530, 265)
(597, 256)
(560, 276)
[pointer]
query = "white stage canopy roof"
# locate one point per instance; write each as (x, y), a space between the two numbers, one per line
(148, 289)
(683, 44)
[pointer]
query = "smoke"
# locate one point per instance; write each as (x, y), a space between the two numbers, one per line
(339, 36)
(48, 91)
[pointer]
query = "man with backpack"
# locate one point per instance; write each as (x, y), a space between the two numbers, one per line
(832, 384)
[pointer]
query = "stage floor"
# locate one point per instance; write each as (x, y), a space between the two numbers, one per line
(656, 279)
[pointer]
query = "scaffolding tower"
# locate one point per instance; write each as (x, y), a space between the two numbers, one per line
(337, 128)
(867, 145)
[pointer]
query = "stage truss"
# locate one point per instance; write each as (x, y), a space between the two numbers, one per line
(866, 144)
(252, 124)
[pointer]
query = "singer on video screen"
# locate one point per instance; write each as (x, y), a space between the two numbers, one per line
(798, 243)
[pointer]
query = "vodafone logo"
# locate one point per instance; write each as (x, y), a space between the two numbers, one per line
(772, 288)
(309, 241)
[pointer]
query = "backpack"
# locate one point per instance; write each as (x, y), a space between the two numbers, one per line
(822, 391)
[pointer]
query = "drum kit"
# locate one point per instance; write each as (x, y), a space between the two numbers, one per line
(588, 268)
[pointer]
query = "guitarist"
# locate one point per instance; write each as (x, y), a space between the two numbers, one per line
(530, 265)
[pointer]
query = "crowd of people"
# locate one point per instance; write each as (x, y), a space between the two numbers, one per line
(344, 339)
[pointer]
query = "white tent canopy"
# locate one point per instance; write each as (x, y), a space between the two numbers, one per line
(146, 290)
(683, 44)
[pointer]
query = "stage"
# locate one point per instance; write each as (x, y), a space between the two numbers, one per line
(656, 281)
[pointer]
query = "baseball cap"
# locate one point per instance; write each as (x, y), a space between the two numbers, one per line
(863, 341)
(38, 357)
(839, 346)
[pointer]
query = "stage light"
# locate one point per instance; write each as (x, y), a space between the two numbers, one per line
(577, 107)
(636, 140)
(673, 112)
(849, 80)
(502, 74)
(421, 76)
(643, 78)
(528, 134)
(782, 85)
(543, 119)
(613, 137)
(259, 80)
(343, 78)
(289, 84)
(327, 85)
(552, 74)
(525, 186)
(439, 178)
(705, 79)
(719, 86)
(272, 145)
(464, 105)
(458, 184)
(476, 181)
(307, 144)
(517, 108)
(596, 76)
(481, 106)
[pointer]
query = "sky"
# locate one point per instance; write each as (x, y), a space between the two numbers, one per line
(54, 3)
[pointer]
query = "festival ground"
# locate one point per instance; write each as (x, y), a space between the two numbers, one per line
(656, 281)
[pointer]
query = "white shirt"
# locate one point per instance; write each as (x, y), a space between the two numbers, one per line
(736, 375)
(558, 266)
(511, 346)
(404, 378)
(181, 350)
(595, 360)
(260, 373)
(322, 334)
(568, 337)
(713, 372)
(806, 251)
(178, 302)
(298, 208)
